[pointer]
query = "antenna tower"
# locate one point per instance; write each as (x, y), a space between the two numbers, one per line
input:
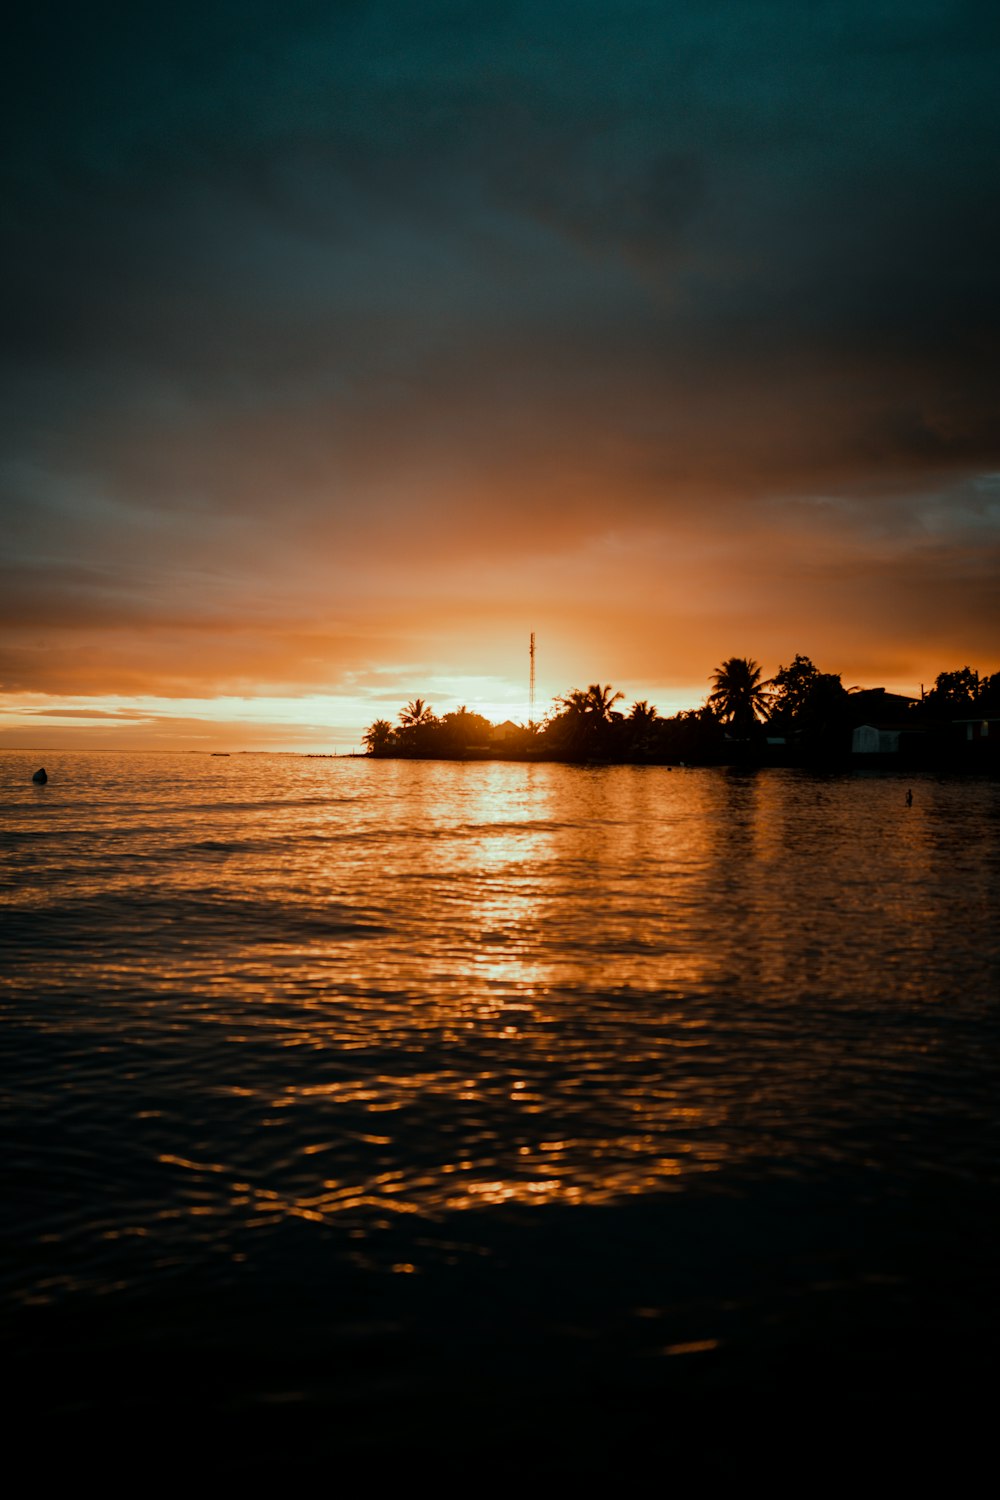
(531, 681)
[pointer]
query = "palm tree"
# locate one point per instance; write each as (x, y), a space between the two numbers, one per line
(738, 698)
(379, 737)
(642, 714)
(586, 722)
(595, 704)
(415, 713)
(602, 701)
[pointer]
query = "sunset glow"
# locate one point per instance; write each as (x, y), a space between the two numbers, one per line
(664, 337)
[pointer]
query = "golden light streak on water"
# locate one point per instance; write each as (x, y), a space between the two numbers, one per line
(344, 994)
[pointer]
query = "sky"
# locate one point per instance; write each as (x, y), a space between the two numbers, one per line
(346, 344)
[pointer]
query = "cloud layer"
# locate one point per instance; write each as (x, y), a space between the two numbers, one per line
(346, 338)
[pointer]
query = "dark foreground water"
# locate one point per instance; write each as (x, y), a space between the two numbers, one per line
(499, 1119)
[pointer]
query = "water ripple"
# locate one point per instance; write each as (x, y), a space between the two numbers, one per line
(342, 994)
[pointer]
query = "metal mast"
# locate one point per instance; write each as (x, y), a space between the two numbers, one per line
(531, 681)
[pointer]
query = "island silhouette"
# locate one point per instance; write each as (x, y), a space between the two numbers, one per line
(799, 716)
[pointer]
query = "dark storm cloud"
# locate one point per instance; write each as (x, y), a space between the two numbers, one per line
(296, 296)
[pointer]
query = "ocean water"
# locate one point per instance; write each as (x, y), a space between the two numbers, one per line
(349, 1081)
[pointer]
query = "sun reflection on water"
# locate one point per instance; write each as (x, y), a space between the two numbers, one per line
(346, 993)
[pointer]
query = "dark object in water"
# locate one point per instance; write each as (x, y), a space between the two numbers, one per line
(40, 775)
(909, 799)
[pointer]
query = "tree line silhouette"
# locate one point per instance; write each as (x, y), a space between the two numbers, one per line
(799, 714)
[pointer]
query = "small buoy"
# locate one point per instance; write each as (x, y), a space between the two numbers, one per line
(40, 775)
